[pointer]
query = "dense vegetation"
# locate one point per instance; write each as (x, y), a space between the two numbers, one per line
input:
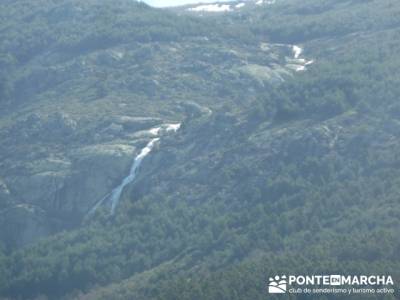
(305, 180)
(306, 20)
(104, 24)
(69, 29)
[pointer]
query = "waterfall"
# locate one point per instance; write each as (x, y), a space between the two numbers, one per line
(114, 196)
(116, 193)
(297, 51)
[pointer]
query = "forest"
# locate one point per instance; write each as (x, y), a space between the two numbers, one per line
(300, 177)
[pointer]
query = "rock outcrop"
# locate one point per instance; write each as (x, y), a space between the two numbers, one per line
(67, 167)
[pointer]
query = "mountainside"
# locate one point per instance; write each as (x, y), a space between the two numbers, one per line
(79, 103)
(191, 153)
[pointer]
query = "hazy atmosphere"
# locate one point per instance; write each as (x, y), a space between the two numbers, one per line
(231, 151)
(165, 3)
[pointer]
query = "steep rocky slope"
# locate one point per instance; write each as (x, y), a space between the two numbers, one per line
(287, 154)
(74, 113)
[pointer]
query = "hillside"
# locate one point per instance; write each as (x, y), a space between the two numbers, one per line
(273, 144)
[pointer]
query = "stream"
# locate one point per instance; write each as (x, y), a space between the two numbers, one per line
(114, 196)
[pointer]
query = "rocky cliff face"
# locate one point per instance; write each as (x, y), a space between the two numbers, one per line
(76, 118)
(23, 224)
(78, 104)
(288, 146)
(56, 175)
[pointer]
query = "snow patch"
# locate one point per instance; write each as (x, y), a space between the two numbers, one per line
(267, 2)
(211, 8)
(240, 5)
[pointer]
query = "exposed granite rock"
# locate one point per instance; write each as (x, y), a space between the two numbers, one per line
(22, 224)
(135, 123)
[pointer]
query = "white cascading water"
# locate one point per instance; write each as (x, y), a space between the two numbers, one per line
(297, 52)
(114, 196)
(116, 193)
